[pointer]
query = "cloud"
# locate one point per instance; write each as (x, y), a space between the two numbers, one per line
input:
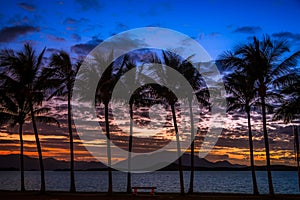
(55, 38)
(75, 21)
(52, 50)
(121, 26)
(76, 37)
(247, 29)
(215, 157)
(214, 34)
(288, 35)
(8, 34)
(85, 48)
(27, 6)
(89, 4)
(70, 21)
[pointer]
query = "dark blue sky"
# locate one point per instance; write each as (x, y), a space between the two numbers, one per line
(77, 26)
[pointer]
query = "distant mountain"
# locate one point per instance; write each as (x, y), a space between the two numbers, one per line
(203, 163)
(200, 163)
(12, 162)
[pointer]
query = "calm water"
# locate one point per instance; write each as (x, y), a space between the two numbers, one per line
(165, 181)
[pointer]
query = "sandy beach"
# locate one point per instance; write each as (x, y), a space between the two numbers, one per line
(33, 195)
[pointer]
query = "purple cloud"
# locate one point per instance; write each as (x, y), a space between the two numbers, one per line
(55, 38)
(89, 4)
(76, 37)
(85, 48)
(8, 34)
(28, 7)
(288, 35)
(247, 29)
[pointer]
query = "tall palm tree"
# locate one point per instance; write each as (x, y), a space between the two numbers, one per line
(173, 61)
(66, 72)
(264, 62)
(200, 91)
(12, 112)
(290, 111)
(99, 64)
(26, 77)
(103, 95)
(15, 111)
(242, 98)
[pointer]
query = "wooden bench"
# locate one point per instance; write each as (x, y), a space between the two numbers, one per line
(135, 189)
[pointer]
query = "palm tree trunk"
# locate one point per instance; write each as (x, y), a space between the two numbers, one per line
(296, 138)
(108, 150)
(178, 151)
(191, 189)
(22, 157)
(72, 183)
(255, 188)
(39, 149)
(266, 139)
(129, 151)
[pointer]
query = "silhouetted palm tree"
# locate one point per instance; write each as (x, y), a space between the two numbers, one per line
(242, 98)
(200, 91)
(197, 82)
(26, 77)
(290, 111)
(103, 95)
(65, 73)
(263, 61)
(173, 61)
(15, 111)
(96, 65)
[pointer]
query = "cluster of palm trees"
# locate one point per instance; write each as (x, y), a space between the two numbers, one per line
(25, 85)
(260, 74)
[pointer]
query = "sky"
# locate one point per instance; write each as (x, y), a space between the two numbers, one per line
(80, 25)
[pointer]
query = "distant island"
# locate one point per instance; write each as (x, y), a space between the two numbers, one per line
(11, 163)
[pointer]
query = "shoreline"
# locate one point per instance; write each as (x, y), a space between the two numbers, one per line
(57, 195)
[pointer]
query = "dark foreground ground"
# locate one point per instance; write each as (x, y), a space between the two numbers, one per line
(142, 196)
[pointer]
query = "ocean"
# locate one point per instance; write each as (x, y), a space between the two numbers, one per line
(285, 182)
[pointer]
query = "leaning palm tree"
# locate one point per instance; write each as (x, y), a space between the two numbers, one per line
(26, 77)
(290, 111)
(265, 63)
(65, 73)
(242, 98)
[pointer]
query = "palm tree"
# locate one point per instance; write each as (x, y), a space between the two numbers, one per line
(290, 111)
(26, 77)
(65, 72)
(15, 111)
(264, 62)
(202, 94)
(174, 61)
(94, 66)
(242, 98)
(103, 95)
(200, 91)
(12, 112)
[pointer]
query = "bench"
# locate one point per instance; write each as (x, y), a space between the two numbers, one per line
(135, 189)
